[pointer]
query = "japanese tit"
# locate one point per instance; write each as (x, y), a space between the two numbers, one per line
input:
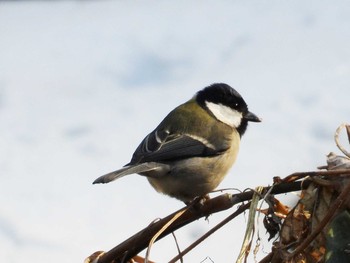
(192, 149)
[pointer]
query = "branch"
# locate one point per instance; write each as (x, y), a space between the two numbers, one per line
(138, 242)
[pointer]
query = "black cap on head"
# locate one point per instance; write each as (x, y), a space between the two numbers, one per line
(221, 93)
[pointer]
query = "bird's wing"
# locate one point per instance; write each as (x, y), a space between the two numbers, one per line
(162, 146)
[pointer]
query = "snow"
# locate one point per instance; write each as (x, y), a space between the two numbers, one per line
(82, 83)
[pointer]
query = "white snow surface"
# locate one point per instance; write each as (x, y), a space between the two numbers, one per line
(82, 83)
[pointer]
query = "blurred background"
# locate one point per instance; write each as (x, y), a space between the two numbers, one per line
(82, 83)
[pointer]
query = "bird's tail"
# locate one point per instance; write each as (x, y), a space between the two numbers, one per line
(128, 169)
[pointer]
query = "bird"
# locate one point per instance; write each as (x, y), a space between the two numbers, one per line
(190, 152)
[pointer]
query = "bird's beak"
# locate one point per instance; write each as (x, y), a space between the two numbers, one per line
(249, 116)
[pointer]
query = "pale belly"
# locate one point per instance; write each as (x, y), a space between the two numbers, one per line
(194, 177)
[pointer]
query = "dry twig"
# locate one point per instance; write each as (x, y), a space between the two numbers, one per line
(246, 245)
(336, 138)
(239, 211)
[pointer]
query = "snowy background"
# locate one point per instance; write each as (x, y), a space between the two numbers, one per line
(82, 83)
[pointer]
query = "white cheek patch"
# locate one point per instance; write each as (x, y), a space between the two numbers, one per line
(225, 114)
